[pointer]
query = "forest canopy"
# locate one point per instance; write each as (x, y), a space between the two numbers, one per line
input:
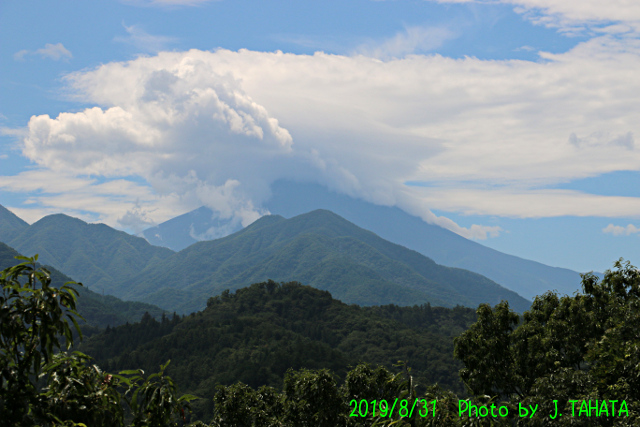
(576, 355)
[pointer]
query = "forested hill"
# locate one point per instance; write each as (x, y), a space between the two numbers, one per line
(99, 311)
(94, 254)
(255, 334)
(320, 249)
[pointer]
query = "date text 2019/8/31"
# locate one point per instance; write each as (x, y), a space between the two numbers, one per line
(385, 409)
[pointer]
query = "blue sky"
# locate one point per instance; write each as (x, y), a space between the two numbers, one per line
(511, 122)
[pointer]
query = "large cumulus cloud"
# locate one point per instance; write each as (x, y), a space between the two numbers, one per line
(422, 132)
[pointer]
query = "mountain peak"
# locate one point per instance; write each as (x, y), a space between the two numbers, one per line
(10, 224)
(59, 218)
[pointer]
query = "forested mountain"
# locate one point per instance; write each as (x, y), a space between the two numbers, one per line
(94, 254)
(257, 333)
(525, 277)
(10, 225)
(98, 310)
(320, 249)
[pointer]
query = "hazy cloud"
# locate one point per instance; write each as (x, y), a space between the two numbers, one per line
(136, 219)
(50, 51)
(411, 40)
(144, 41)
(617, 230)
(573, 15)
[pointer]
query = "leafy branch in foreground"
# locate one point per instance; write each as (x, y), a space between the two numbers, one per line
(42, 383)
(33, 315)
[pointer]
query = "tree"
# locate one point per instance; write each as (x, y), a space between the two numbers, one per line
(581, 347)
(33, 316)
(42, 383)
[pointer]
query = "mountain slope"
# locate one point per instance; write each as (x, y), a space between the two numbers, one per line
(94, 254)
(525, 277)
(10, 225)
(98, 310)
(320, 249)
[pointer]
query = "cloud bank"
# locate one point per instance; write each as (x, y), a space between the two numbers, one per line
(173, 131)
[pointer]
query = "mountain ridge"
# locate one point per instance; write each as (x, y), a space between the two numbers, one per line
(91, 253)
(525, 277)
(320, 249)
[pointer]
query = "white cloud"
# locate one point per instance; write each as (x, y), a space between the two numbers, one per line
(19, 56)
(188, 131)
(144, 41)
(617, 230)
(532, 203)
(112, 202)
(51, 51)
(572, 15)
(411, 40)
(218, 128)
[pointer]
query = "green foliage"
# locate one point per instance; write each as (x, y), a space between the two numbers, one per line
(312, 399)
(33, 314)
(564, 348)
(41, 383)
(239, 405)
(80, 392)
(257, 333)
(153, 400)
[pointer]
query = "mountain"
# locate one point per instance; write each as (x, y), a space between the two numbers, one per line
(189, 228)
(257, 333)
(94, 254)
(99, 311)
(320, 249)
(525, 277)
(10, 225)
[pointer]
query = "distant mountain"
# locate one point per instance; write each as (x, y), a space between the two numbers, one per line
(94, 254)
(10, 225)
(98, 310)
(185, 230)
(258, 333)
(525, 277)
(320, 249)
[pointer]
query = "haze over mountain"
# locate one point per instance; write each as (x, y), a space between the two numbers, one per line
(320, 249)
(99, 311)
(525, 277)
